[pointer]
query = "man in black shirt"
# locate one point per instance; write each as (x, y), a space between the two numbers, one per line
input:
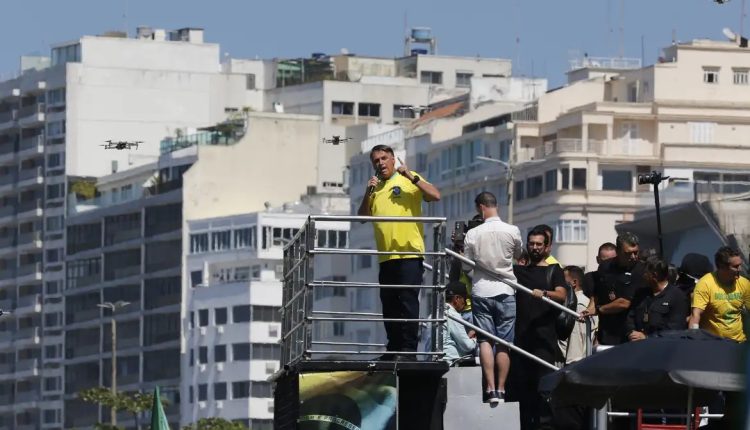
(662, 306)
(535, 329)
(615, 285)
(607, 251)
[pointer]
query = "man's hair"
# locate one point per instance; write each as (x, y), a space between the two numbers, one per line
(575, 272)
(538, 231)
(455, 288)
(486, 198)
(648, 253)
(524, 255)
(548, 231)
(674, 274)
(626, 237)
(607, 246)
(382, 148)
(722, 256)
(658, 267)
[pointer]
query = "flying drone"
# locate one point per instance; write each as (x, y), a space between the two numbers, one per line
(336, 140)
(119, 145)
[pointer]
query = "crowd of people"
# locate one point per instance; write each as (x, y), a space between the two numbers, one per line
(631, 295)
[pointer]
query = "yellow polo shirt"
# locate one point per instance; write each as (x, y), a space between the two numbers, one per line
(552, 260)
(397, 196)
(722, 306)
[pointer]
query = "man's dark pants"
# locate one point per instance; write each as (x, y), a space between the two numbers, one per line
(401, 302)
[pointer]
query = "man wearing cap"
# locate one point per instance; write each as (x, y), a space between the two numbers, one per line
(456, 342)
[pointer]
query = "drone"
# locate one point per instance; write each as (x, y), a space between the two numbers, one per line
(336, 140)
(121, 144)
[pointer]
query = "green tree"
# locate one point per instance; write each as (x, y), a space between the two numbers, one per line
(135, 403)
(215, 424)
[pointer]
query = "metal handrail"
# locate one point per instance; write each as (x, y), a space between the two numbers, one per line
(502, 342)
(370, 285)
(347, 251)
(423, 219)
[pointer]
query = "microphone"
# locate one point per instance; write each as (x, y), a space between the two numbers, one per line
(371, 188)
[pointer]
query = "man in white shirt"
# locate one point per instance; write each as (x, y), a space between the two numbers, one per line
(494, 245)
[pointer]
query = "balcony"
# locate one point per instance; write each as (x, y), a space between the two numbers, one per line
(8, 118)
(29, 304)
(592, 147)
(7, 304)
(6, 368)
(82, 316)
(30, 208)
(32, 176)
(119, 236)
(7, 153)
(7, 213)
(30, 240)
(616, 63)
(27, 368)
(29, 272)
(6, 337)
(81, 350)
(8, 182)
(124, 272)
(7, 242)
(88, 280)
(32, 114)
(28, 335)
(27, 397)
(31, 146)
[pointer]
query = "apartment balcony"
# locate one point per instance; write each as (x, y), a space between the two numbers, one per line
(29, 272)
(29, 304)
(86, 281)
(32, 240)
(8, 274)
(6, 399)
(32, 176)
(124, 272)
(7, 153)
(8, 118)
(119, 236)
(27, 368)
(30, 209)
(82, 316)
(31, 146)
(79, 351)
(27, 397)
(31, 426)
(616, 148)
(8, 183)
(7, 243)
(6, 337)
(26, 336)
(31, 115)
(7, 368)
(7, 213)
(7, 304)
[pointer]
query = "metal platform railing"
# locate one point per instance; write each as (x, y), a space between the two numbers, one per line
(299, 316)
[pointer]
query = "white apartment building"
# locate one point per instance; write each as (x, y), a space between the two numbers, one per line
(232, 293)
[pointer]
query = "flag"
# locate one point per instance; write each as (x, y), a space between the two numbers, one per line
(158, 418)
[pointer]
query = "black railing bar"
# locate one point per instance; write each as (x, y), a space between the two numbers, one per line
(317, 284)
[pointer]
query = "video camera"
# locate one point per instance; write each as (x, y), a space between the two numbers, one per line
(653, 178)
(460, 229)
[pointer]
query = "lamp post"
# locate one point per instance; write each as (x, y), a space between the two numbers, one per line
(114, 307)
(509, 179)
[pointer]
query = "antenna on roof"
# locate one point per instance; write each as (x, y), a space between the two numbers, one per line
(622, 28)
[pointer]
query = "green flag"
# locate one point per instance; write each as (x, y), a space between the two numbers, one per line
(158, 419)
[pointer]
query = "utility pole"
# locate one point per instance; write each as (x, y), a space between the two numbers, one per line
(114, 307)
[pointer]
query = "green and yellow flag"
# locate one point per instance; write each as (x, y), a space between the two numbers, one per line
(158, 418)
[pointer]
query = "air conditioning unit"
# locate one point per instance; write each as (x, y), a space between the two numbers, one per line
(202, 367)
(270, 406)
(202, 405)
(219, 404)
(220, 329)
(219, 366)
(203, 331)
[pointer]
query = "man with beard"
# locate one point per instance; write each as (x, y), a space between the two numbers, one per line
(535, 329)
(616, 283)
(607, 251)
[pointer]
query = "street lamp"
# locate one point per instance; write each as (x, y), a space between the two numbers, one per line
(114, 307)
(508, 179)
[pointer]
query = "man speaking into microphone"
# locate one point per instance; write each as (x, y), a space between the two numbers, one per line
(398, 192)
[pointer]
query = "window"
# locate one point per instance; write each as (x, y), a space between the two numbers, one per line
(342, 108)
(463, 79)
(53, 255)
(520, 191)
(261, 389)
(65, 54)
(266, 351)
(579, 179)
(220, 391)
(55, 160)
(250, 81)
(702, 132)
(403, 111)
(190, 394)
(550, 180)
(202, 392)
(54, 223)
(196, 278)
(632, 92)
(428, 77)
(241, 351)
(56, 128)
(534, 186)
(220, 240)
(244, 238)
(56, 96)
(220, 316)
(192, 357)
(565, 174)
(365, 262)
(571, 231)
(203, 317)
(240, 389)
(241, 313)
(711, 75)
(266, 314)
(220, 353)
(740, 76)
(617, 180)
(203, 354)
(338, 328)
(369, 109)
(52, 384)
(51, 416)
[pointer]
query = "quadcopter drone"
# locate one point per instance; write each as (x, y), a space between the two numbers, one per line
(121, 144)
(336, 140)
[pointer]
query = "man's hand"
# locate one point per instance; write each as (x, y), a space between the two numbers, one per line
(636, 335)
(403, 169)
(585, 314)
(472, 334)
(373, 182)
(537, 293)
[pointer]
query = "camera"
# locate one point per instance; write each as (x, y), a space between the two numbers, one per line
(460, 229)
(654, 178)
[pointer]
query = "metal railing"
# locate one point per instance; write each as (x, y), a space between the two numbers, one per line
(299, 317)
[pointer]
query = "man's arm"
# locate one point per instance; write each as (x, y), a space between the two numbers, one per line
(430, 192)
(517, 244)
(630, 321)
(676, 319)
(701, 298)
(615, 307)
(464, 344)
(364, 207)
(695, 318)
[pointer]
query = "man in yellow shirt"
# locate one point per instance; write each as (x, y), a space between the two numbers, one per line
(398, 192)
(721, 297)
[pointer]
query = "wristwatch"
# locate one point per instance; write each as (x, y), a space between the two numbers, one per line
(545, 294)
(415, 179)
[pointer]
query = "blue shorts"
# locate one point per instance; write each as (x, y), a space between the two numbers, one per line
(495, 315)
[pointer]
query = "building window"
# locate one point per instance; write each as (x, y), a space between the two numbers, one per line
(571, 231)
(241, 351)
(220, 353)
(55, 160)
(203, 354)
(202, 392)
(579, 179)
(221, 240)
(266, 351)
(342, 108)
(365, 262)
(711, 75)
(617, 180)
(220, 391)
(702, 132)
(250, 81)
(403, 111)
(241, 313)
(203, 317)
(198, 243)
(338, 328)
(520, 195)
(565, 175)
(428, 77)
(550, 180)
(261, 389)
(54, 223)
(196, 278)
(534, 186)
(740, 76)
(463, 79)
(241, 389)
(369, 109)
(266, 314)
(220, 316)
(244, 238)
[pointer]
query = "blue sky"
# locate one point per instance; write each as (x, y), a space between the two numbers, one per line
(548, 30)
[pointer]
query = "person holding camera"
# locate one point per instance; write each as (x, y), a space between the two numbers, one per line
(398, 192)
(456, 272)
(493, 244)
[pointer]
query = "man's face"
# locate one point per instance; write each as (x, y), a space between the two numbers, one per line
(548, 247)
(650, 278)
(729, 273)
(535, 247)
(570, 280)
(458, 303)
(628, 255)
(384, 163)
(606, 254)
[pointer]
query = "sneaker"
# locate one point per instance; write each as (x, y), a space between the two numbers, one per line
(493, 399)
(486, 397)
(500, 396)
